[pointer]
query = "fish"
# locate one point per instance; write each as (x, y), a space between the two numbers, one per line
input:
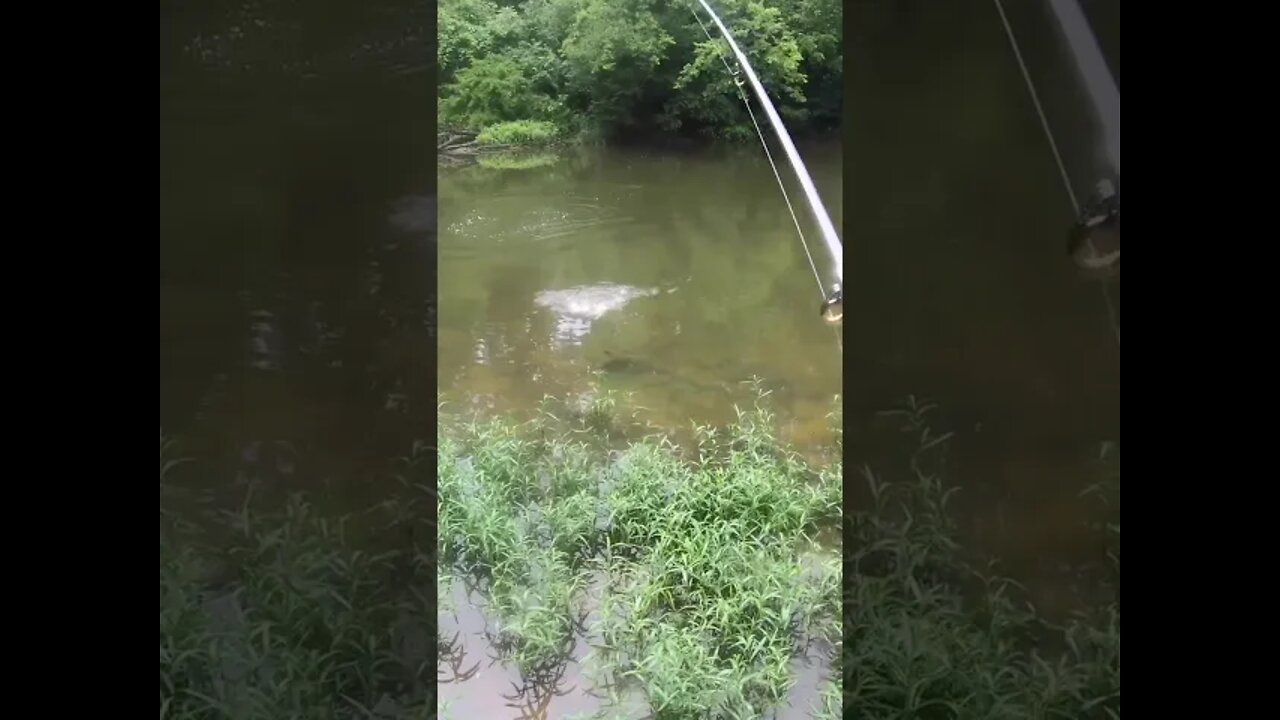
(616, 365)
(704, 380)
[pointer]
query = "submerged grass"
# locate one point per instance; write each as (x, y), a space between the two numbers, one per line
(694, 573)
(302, 625)
(930, 633)
(689, 564)
(287, 614)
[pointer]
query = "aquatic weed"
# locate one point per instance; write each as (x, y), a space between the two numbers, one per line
(697, 577)
(929, 633)
(706, 593)
(297, 622)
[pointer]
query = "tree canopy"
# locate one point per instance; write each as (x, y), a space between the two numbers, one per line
(636, 68)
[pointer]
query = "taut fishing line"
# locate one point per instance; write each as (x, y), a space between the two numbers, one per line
(832, 309)
(737, 81)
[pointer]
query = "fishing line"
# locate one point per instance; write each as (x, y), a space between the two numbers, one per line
(822, 290)
(832, 308)
(1053, 146)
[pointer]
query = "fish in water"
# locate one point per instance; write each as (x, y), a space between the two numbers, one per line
(635, 368)
(705, 380)
(616, 365)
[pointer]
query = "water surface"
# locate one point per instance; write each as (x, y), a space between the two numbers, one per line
(674, 277)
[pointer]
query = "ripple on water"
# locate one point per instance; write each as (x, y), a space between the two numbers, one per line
(515, 217)
(577, 308)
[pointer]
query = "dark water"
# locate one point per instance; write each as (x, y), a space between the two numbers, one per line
(960, 287)
(297, 249)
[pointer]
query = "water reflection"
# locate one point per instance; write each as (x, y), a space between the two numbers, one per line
(297, 260)
(475, 681)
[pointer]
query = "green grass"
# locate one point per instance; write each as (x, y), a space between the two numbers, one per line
(931, 633)
(704, 589)
(518, 132)
(692, 571)
(291, 614)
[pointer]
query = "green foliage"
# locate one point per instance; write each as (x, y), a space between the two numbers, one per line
(705, 571)
(493, 89)
(304, 624)
(463, 34)
(636, 67)
(926, 634)
(710, 97)
(696, 575)
(525, 132)
(516, 160)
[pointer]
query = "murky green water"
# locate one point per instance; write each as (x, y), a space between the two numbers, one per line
(296, 270)
(674, 277)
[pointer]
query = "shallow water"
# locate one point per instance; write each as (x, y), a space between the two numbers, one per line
(473, 681)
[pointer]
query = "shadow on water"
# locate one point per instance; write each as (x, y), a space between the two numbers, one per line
(474, 681)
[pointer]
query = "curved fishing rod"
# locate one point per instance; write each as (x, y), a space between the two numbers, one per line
(1100, 214)
(832, 306)
(1092, 67)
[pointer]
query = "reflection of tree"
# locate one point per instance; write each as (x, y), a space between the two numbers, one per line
(282, 150)
(295, 37)
(532, 696)
(348, 347)
(452, 666)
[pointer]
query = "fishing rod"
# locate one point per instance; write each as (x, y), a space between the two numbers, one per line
(1099, 216)
(1092, 67)
(832, 309)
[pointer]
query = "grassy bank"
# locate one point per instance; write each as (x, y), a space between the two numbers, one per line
(693, 572)
(519, 132)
